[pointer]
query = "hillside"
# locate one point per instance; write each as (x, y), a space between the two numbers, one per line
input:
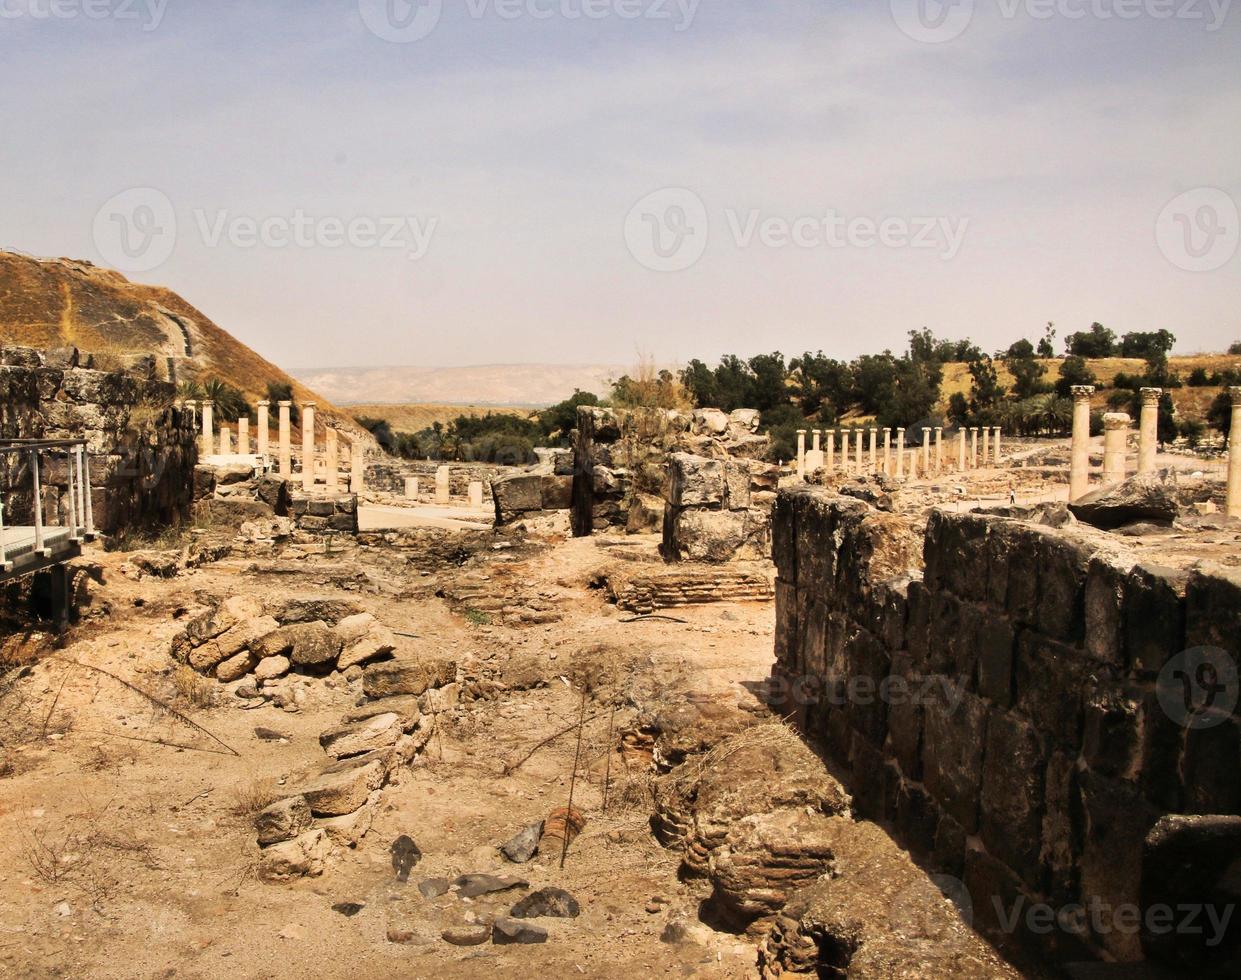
(527, 385)
(64, 302)
(415, 418)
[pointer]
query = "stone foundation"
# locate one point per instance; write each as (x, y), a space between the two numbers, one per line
(993, 686)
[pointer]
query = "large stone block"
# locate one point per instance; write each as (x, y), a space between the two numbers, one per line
(1212, 764)
(1112, 739)
(1052, 680)
(1213, 608)
(695, 481)
(1063, 562)
(1012, 794)
(408, 674)
(342, 787)
(995, 641)
(1105, 609)
(1154, 616)
(517, 494)
(952, 753)
(705, 535)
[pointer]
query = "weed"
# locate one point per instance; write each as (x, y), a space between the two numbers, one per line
(193, 688)
(476, 617)
(250, 797)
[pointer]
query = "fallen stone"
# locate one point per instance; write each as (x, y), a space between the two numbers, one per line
(303, 856)
(433, 887)
(378, 732)
(269, 668)
(405, 854)
(311, 644)
(474, 934)
(405, 937)
(681, 932)
(525, 845)
(348, 909)
(329, 610)
(473, 885)
(515, 931)
(349, 829)
(271, 735)
(235, 668)
(439, 699)
(404, 705)
(552, 902)
(1149, 498)
(344, 786)
(407, 676)
(353, 628)
(378, 641)
(282, 820)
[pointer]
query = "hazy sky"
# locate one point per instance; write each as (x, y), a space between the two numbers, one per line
(579, 180)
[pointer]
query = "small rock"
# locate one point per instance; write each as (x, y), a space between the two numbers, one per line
(405, 854)
(681, 931)
(509, 931)
(292, 932)
(270, 735)
(348, 909)
(404, 937)
(553, 902)
(467, 935)
(525, 845)
(63, 909)
(433, 887)
(473, 885)
(282, 820)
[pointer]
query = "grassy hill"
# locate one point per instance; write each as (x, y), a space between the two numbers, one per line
(416, 417)
(62, 302)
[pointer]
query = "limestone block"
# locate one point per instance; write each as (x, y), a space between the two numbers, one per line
(407, 675)
(704, 535)
(694, 481)
(356, 738)
(283, 820)
(344, 786)
(517, 494)
(736, 485)
(305, 855)
(557, 489)
(305, 610)
(236, 667)
(269, 668)
(1155, 617)
(353, 628)
(378, 641)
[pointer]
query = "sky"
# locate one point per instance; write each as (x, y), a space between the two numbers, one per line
(456, 182)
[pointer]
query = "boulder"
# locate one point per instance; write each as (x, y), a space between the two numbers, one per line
(1150, 498)
(307, 610)
(231, 642)
(283, 820)
(377, 641)
(407, 675)
(353, 628)
(513, 931)
(344, 786)
(551, 902)
(646, 514)
(524, 845)
(303, 856)
(235, 668)
(700, 535)
(356, 738)
(233, 610)
(517, 494)
(307, 644)
(269, 668)
(232, 473)
(403, 705)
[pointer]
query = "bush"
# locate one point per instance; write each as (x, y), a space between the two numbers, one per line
(1198, 378)
(1098, 341)
(1235, 348)
(1073, 371)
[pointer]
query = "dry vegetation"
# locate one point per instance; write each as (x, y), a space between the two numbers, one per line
(416, 417)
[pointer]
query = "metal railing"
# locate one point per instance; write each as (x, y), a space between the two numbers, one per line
(77, 500)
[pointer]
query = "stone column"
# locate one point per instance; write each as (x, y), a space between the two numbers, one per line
(476, 495)
(939, 449)
(1079, 461)
(243, 436)
(973, 449)
(1233, 507)
(801, 454)
(995, 445)
(1115, 446)
(262, 427)
(286, 439)
(860, 464)
(831, 450)
(331, 453)
(960, 450)
(1148, 430)
(308, 447)
(926, 451)
(411, 488)
(357, 467)
(874, 450)
(900, 453)
(226, 441)
(443, 488)
(887, 451)
(986, 444)
(208, 428)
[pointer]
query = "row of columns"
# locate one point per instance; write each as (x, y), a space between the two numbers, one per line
(895, 461)
(331, 454)
(1116, 428)
(443, 491)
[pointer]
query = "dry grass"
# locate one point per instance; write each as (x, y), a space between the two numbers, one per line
(193, 688)
(249, 798)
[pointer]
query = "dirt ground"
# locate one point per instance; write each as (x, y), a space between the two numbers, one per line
(124, 856)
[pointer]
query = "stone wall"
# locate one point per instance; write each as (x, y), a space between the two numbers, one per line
(717, 509)
(620, 459)
(142, 449)
(387, 474)
(999, 691)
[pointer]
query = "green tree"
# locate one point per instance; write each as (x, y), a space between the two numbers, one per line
(1047, 345)
(1073, 371)
(230, 403)
(282, 391)
(1219, 415)
(1150, 345)
(558, 420)
(1098, 341)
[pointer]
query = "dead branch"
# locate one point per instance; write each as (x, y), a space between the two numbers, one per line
(512, 767)
(157, 702)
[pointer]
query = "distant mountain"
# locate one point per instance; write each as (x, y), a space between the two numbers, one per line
(65, 302)
(533, 385)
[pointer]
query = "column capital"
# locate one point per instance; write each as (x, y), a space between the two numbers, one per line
(285, 404)
(263, 404)
(1116, 420)
(939, 428)
(191, 403)
(801, 432)
(306, 405)
(1082, 392)
(207, 403)
(1150, 396)
(1235, 392)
